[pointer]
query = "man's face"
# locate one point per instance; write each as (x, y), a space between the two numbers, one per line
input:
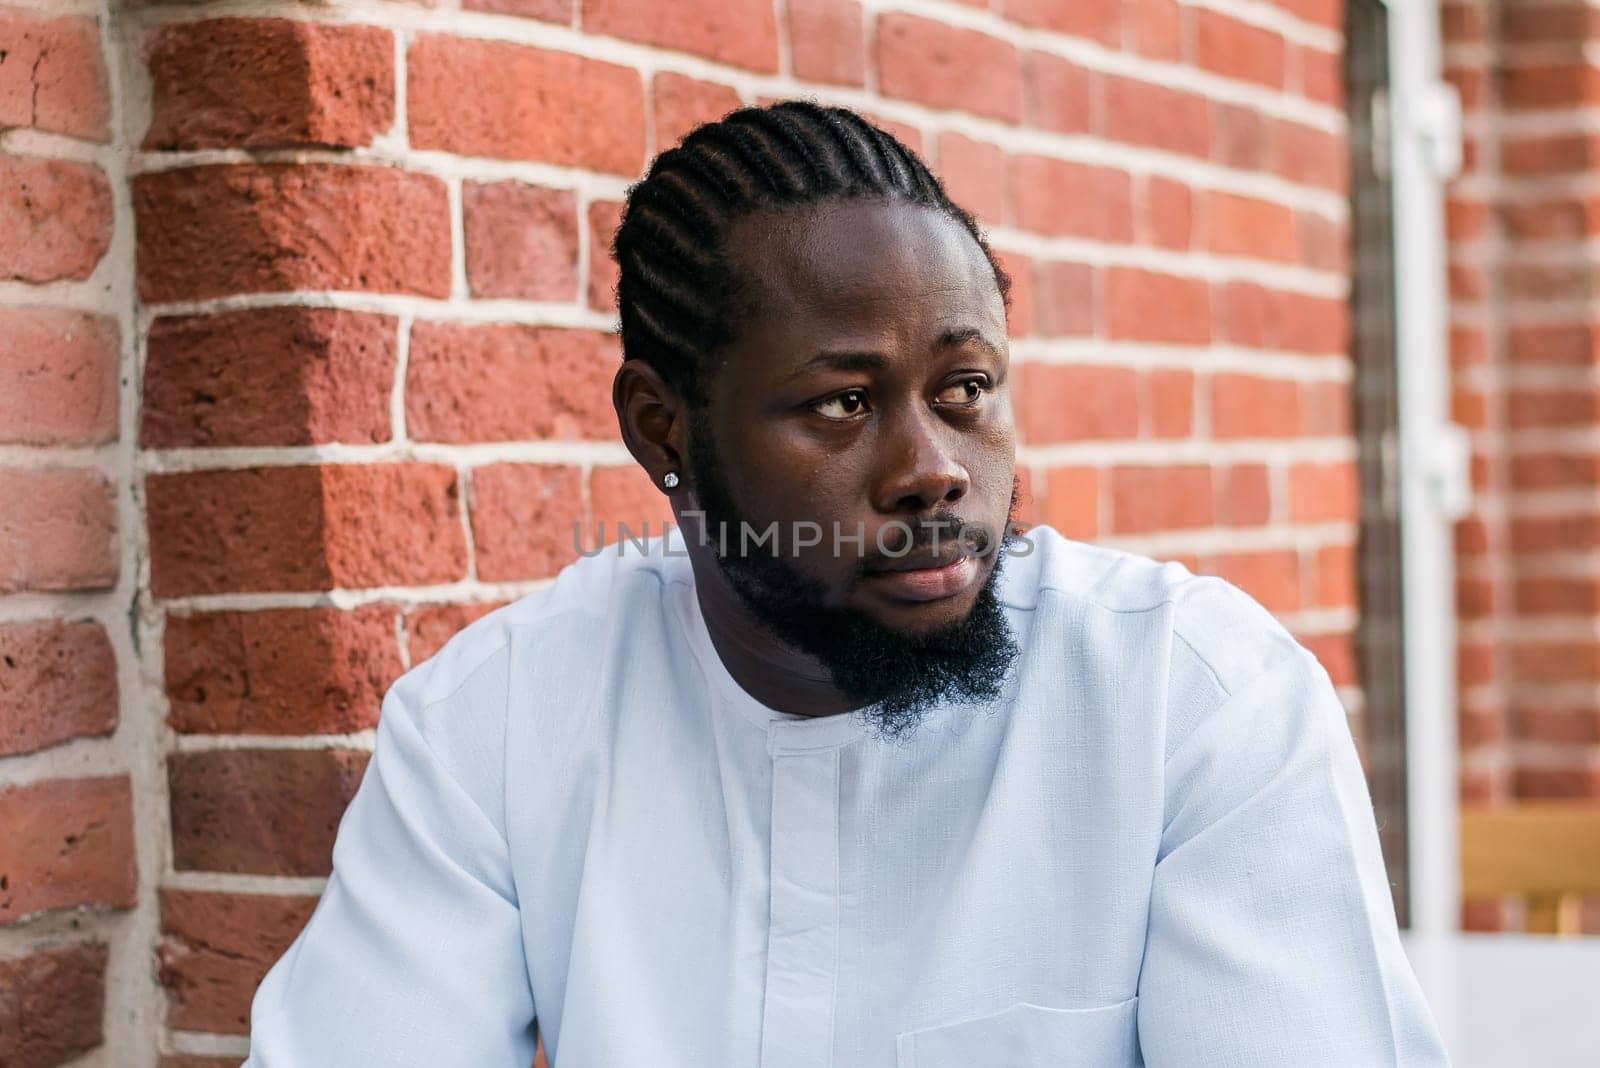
(867, 391)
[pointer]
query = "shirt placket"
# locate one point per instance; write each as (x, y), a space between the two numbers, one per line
(803, 923)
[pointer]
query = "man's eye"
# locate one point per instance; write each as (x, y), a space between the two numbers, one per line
(966, 391)
(843, 406)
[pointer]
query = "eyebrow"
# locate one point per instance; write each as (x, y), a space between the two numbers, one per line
(872, 361)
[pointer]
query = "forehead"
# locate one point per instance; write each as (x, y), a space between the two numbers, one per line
(853, 264)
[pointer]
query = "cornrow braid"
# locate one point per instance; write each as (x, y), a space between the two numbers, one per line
(676, 290)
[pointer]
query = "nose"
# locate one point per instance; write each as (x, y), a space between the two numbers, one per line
(920, 471)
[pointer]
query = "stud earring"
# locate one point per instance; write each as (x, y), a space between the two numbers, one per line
(670, 480)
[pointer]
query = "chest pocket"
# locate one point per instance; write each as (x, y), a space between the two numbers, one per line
(1025, 1036)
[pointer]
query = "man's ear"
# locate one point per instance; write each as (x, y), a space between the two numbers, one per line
(653, 419)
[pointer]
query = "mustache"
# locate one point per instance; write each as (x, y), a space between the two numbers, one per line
(942, 532)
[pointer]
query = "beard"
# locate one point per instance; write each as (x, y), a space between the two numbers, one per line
(897, 675)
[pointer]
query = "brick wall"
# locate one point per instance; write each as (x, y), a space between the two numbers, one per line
(312, 311)
(1523, 222)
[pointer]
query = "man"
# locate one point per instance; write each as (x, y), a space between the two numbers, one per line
(846, 772)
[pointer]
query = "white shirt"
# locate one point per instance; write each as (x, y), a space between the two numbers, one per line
(1157, 848)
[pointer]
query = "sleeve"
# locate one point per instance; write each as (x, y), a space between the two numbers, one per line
(414, 954)
(1272, 937)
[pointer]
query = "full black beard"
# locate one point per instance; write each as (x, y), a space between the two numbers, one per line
(900, 677)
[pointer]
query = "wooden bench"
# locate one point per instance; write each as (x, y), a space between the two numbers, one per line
(1545, 851)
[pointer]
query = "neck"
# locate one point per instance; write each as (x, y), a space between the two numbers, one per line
(768, 669)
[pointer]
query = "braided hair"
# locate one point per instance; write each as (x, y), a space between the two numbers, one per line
(677, 293)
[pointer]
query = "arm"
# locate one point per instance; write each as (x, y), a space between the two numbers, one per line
(414, 953)
(1272, 937)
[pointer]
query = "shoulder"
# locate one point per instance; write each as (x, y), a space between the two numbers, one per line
(1219, 638)
(459, 700)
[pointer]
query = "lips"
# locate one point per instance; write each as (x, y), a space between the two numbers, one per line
(918, 562)
(937, 578)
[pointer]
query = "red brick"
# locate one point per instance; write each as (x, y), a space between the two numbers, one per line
(268, 376)
(1166, 213)
(429, 626)
(1148, 306)
(1241, 137)
(216, 948)
(681, 104)
(1562, 85)
(974, 175)
(500, 382)
(1020, 317)
(58, 530)
(1336, 653)
(1249, 406)
(1532, 409)
(1256, 317)
(1098, 20)
(1062, 199)
(58, 680)
(1244, 496)
(521, 240)
(52, 1004)
(1072, 501)
(1145, 499)
(1475, 598)
(1319, 326)
(1169, 400)
(742, 33)
(1158, 28)
(1156, 116)
(908, 135)
(1325, 409)
(54, 77)
(1579, 781)
(1328, 14)
(1549, 154)
(1059, 94)
(68, 842)
(1321, 75)
(1322, 492)
(1564, 726)
(1562, 533)
(55, 219)
(259, 811)
(1546, 281)
(1549, 23)
(947, 67)
(210, 231)
(546, 10)
(1557, 218)
(1066, 299)
(553, 107)
(1478, 662)
(265, 83)
(280, 671)
(1571, 344)
(1076, 403)
(827, 41)
(304, 528)
(1462, 22)
(604, 216)
(1336, 577)
(1566, 595)
(60, 368)
(1272, 577)
(527, 520)
(1309, 156)
(1324, 244)
(1239, 50)
(625, 494)
(1245, 226)
(1476, 729)
(1555, 470)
